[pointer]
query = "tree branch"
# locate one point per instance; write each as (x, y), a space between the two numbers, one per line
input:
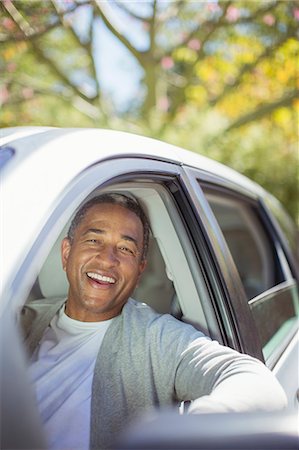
(264, 110)
(171, 11)
(18, 19)
(77, 102)
(138, 55)
(204, 31)
(31, 33)
(211, 28)
(152, 30)
(92, 59)
(259, 12)
(86, 45)
(23, 27)
(21, 37)
(204, 35)
(54, 68)
(247, 68)
(124, 8)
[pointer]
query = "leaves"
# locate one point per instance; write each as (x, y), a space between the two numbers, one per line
(218, 75)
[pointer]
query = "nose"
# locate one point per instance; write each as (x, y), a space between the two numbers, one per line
(107, 256)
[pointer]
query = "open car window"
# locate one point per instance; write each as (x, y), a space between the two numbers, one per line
(167, 284)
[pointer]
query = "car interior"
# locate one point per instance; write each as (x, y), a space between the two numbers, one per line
(272, 299)
(247, 242)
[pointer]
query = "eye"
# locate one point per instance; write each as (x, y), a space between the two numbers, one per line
(126, 250)
(92, 241)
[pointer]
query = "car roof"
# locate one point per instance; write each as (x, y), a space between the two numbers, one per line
(43, 163)
(102, 144)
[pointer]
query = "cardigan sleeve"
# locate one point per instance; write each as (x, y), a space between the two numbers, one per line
(214, 377)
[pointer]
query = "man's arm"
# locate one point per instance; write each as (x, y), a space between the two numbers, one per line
(219, 379)
(214, 377)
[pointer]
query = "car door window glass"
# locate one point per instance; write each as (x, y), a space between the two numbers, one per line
(271, 291)
(248, 244)
(276, 315)
(286, 224)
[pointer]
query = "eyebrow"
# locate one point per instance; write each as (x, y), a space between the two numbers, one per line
(126, 237)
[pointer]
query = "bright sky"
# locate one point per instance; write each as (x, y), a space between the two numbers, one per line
(119, 74)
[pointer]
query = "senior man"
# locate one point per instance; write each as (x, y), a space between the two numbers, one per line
(99, 358)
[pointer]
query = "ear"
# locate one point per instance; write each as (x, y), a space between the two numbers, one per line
(142, 267)
(65, 251)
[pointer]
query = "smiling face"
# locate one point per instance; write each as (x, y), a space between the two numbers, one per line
(103, 262)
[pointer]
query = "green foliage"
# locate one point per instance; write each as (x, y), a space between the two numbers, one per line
(220, 78)
(262, 151)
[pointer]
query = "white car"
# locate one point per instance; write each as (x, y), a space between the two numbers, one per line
(223, 253)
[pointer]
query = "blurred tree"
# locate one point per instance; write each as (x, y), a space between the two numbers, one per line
(219, 77)
(49, 71)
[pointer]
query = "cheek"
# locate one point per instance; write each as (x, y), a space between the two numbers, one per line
(73, 265)
(134, 272)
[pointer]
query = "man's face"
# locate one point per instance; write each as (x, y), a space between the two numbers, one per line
(103, 264)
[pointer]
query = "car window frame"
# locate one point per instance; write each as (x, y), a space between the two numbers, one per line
(290, 282)
(240, 324)
(62, 208)
(83, 184)
(58, 211)
(278, 234)
(248, 214)
(234, 191)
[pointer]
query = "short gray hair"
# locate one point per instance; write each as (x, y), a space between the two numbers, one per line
(115, 198)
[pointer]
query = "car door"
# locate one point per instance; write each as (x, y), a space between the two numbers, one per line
(179, 279)
(176, 280)
(191, 271)
(265, 268)
(185, 275)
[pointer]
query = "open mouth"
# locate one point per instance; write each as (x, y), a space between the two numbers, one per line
(101, 279)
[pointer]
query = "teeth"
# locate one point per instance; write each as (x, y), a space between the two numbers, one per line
(98, 277)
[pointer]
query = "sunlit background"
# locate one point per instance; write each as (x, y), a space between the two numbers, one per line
(216, 77)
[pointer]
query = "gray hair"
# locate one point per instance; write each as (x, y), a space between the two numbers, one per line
(128, 202)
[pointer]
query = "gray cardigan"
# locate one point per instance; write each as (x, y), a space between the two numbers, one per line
(150, 360)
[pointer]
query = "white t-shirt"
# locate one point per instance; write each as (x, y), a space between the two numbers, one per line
(62, 372)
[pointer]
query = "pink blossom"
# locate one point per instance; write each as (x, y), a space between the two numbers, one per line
(167, 62)
(183, 35)
(194, 44)
(232, 14)
(163, 103)
(11, 67)
(27, 93)
(213, 7)
(269, 19)
(4, 94)
(8, 23)
(296, 13)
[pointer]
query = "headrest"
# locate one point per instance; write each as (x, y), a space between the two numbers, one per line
(52, 278)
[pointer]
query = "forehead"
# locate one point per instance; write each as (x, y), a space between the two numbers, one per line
(110, 214)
